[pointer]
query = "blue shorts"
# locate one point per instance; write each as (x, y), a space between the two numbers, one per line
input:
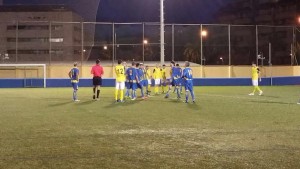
(176, 82)
(127, 85)
(132, 85)
(144, 82)
(75, 86)
(188, 85)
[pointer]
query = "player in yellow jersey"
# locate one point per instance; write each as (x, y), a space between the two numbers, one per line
(255, 76)
(163, 78)
(148, 78)
(157, 78)
(120, 82)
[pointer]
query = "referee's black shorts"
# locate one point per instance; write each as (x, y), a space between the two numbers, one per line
(97, 81)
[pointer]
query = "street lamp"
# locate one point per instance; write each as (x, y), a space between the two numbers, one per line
(222, 60)
(204, 33)
(145, 42)
(105, 47)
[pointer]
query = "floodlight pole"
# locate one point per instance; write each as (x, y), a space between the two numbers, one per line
(162, 33)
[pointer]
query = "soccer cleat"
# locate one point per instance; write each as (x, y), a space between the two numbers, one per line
(133, 98)
(298, 103)
(185, 101)
(167, 96)
(76, 100)
(261, 93)
(122, 101)
(194, 101)
(251, 94)
(94, 97)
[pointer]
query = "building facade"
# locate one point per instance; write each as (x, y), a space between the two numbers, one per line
(40, 33)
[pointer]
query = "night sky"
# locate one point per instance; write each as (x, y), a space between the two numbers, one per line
(177, 11)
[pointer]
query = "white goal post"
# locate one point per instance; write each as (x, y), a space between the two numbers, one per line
(34, 75)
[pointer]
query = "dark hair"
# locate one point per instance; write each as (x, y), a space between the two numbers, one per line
(97, 61)
(75, 64)
(164, 65)
(137, 64)
(133, 63)
(120, 61)
(173, 62)
(177, 64)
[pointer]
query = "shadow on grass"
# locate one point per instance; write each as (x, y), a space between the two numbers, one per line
(271, 102)
(126, 103)
(60, 104)
(87, 102)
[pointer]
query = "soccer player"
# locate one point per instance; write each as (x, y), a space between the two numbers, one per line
(120, 82)
(132, 80)
(140, 79)
(74, 76)
(148, 78)
(187, 76)
(171, 80)
(163, 78)
(157, 78)
(255, 76)
(97, 72)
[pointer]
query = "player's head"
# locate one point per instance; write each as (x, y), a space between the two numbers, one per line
(124, 63)
(120, 61)
(137, 65)
(97, 61)
(172, 63)
(177, 65)
(157, 65)
(147, 67)
(75, 64)
(253, 63)
(187, 64)
(164, 66)
(133, 64)
(141, 65)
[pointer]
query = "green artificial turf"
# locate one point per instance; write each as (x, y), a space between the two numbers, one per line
(226, 128)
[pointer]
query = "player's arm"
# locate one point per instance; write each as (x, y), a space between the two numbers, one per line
(92, 70)
(70, 74)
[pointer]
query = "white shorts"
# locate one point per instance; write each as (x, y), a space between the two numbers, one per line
(149, 81)
(120, 85)
(255, 82)
(157, 81)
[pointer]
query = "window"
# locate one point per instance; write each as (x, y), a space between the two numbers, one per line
(56, 40)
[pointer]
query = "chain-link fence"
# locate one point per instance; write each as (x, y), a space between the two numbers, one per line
(61, 42)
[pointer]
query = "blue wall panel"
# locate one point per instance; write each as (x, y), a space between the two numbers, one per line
(277, 81)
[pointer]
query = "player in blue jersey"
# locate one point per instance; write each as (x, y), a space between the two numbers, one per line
(74, 76)
(176, 74)
(141, 78)
(187, 76)
(132, 80)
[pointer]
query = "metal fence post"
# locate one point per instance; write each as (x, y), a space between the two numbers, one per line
(143, 42)
(256, 38)
(229, 49)
(173, 41)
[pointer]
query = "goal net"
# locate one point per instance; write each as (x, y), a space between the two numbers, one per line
(31, 75)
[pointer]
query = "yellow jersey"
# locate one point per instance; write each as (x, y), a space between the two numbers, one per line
(156, 73)
(120, 73)
(255, 72)
(148, 74)
(163, 73)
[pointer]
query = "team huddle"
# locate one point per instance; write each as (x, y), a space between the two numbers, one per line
(138, 77)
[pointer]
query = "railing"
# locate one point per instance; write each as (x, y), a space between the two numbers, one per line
(205, 44)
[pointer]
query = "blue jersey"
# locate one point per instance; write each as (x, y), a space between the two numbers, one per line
(177, 72)
(131, 74)
(140, 74)
(173, 72)
(187, 74)
(74, 73)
